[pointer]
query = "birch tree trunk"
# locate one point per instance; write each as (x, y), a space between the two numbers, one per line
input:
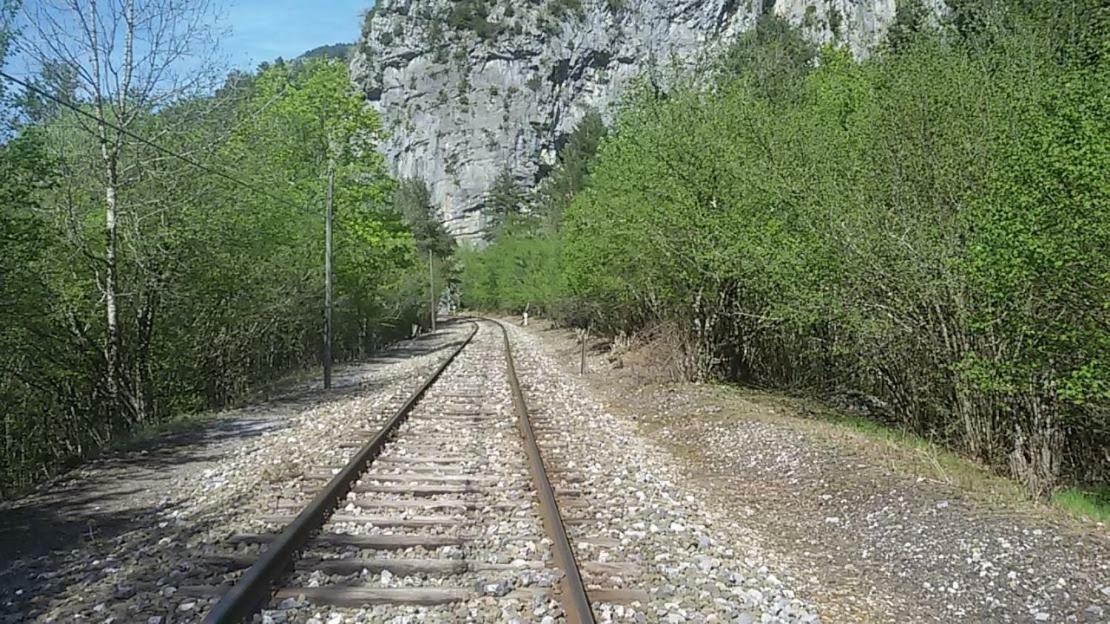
(112, 340)
(127, 59)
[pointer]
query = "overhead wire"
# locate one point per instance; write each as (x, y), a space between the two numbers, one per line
(139, 138)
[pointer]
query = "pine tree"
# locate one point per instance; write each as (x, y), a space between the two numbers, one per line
(504, 201)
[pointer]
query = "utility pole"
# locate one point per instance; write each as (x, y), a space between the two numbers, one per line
(327, 276)
(432, 288)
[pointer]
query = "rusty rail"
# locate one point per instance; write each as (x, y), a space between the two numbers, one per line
(576, 604)
(258, 583)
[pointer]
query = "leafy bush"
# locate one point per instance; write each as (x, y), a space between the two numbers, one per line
(519, 270)
(473, 15)
(928, 227)
(221, 287)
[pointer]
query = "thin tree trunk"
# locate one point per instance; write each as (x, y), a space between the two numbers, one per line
(143, 390)
(109, 153)
(112, 347)
(328, 276)
(432, 291)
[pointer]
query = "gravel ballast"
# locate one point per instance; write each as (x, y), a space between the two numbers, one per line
(638, 536)
(698, 565)
(874, 532)
(153, 515)
(679, 509)
(465, 422)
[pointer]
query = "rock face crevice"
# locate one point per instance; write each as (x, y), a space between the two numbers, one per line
(469, 88)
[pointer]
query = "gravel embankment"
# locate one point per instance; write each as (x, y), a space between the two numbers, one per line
(916, 550)
(698, 564)
(710, 505)
(873, 533)
(152, 515)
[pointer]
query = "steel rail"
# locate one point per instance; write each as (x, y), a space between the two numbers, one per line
(258, 583)
(576, 604)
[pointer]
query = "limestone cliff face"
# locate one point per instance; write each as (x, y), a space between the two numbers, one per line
(468, 88)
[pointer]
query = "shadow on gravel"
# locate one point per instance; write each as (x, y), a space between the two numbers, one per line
(91, 505)
(103, 498)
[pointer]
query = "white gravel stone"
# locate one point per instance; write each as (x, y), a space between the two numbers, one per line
(692, 570)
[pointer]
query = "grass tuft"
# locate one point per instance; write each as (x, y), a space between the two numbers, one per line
(932, 460)
(1092, 503)
(1089, 503)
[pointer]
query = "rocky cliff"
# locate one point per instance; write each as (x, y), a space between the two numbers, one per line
(469, 88)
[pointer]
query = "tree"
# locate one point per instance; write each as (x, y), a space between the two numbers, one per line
(911, 18)
(522, 267)
(125, 57)
(219, 265)
(318, 127)
(26, 331)
(773, 57)
(571, 175)
(924, 227)
(504, 201)
(8, 9)
(413, 201)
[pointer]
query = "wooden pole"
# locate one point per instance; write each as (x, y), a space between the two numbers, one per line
(585, 335)
(328, 277)
(432, 289)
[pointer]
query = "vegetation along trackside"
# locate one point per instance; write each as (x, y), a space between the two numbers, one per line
(928, 226)
(188, 287)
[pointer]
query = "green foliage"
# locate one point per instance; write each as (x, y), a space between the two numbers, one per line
(571, 175)
(1091, 503)
(520, 270)
(8, 9)
(221, 288)
(911, 17)
(473, 15)
(773, 57)
(336, 51)
(435, 36)
(809, 19)
(927, 227)
(504, 202)
(413, 201)
(836, 21)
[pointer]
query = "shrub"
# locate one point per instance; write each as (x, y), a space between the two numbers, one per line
(472, 15)
(927, 227)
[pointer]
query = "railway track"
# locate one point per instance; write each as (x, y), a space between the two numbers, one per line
(455, 505)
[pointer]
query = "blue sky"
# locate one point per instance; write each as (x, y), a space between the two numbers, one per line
(262, 30)
(257, 30)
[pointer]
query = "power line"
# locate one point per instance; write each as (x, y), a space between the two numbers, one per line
(144, 141)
